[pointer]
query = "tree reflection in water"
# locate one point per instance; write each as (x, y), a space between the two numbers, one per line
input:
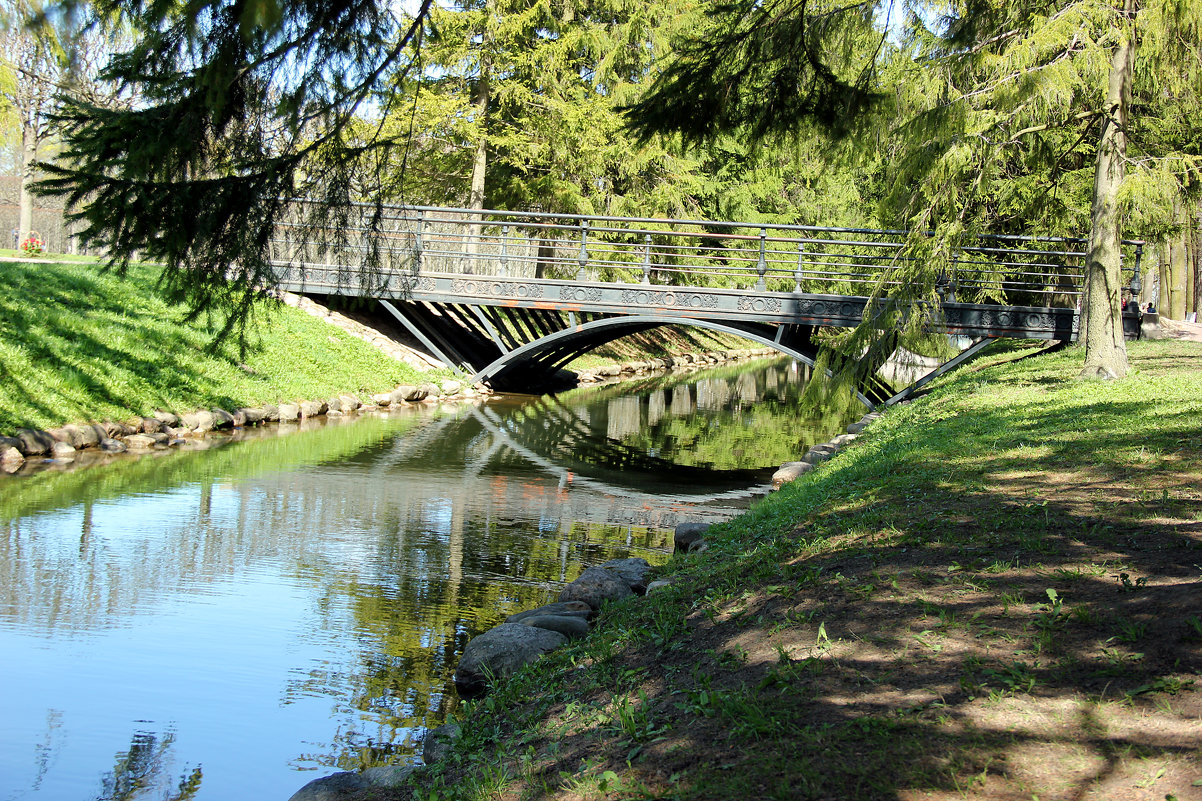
(142, 770)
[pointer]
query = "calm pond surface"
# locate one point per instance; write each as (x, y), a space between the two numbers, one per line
(235, 620)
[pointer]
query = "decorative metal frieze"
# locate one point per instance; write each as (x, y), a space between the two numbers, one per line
(683, 300)
(410, 283)
(759, 304)
(826, 308)
(500, 289)
(580, 294)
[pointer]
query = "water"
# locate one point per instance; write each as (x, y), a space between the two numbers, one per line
(235, 621)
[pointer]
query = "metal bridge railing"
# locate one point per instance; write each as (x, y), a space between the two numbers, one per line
(1036, 271)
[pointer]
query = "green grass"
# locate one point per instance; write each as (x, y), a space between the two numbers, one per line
(77, 344)
(940, 611)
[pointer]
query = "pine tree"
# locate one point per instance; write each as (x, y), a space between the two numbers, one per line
(997, 112)
(245, 104)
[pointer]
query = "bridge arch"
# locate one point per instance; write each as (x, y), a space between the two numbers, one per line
(547, 354)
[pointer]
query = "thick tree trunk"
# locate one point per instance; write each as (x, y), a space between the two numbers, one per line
(29, 156)
(1101, 319)
(480, 93)
(1175, 303)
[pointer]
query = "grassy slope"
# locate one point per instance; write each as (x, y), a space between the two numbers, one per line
(995, 593)
(78, 344)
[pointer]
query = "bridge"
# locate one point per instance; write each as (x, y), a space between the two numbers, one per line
(510, 298)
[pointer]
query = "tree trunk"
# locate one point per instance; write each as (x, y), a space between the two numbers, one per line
(1101, 319)
(29, 155)
(1175, 303)
(480, 94)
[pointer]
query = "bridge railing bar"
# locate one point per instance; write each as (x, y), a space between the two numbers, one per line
(635, 250)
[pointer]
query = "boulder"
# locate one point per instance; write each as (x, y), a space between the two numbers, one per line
(818, 454)
(388, 775)
(633, 571)
(349, 403)
(595, 586)
(11, 459)
(271, 413)
(790, 471)
(140, 442)
(34, 442)
(114, 429)
(428, 390)
(688, 533)
(222, 419)
(151, 425)
(313, 408)
(253, 416)
(843, 440)
(288, 412)
(408, 394)
(335, 787)
(333, 405)
(166, 418)
(110, 445)
(62, 450)
(570, 626)
(439, 743)
(85, 436)
(382, 399)
(570, 608)
(856, 428)
(200, 421)
(501, 652)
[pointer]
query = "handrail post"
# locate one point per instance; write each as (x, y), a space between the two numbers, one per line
(646, 258)
(417, 242)
(582, 259)
(504, 250)
(762, 265)
(801, 252)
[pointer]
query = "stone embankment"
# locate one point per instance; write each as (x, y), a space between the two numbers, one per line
(164, 429)
(816, 455)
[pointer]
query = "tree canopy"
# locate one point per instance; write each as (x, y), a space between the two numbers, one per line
(990, 116)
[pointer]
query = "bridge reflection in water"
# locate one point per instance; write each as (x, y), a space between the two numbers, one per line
(292, 602)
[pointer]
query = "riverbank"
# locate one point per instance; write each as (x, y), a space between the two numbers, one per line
(995, 592)
(82, 346)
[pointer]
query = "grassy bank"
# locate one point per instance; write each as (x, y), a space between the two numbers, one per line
(996, 592)
(79, 344)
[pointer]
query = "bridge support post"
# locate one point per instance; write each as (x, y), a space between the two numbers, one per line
(761, 266)
(647, 258)
(504, 250)
(582, 259)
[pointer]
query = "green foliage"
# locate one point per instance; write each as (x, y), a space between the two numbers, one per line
(241, 106)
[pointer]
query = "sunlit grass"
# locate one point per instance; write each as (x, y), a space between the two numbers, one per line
(80, 344)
